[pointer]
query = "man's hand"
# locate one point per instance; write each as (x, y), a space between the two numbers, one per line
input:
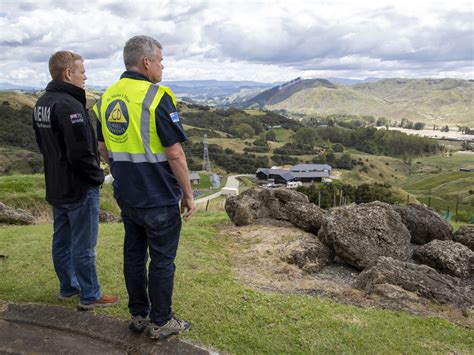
(187, 208)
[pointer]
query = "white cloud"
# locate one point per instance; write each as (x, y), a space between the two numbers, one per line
(243, 40)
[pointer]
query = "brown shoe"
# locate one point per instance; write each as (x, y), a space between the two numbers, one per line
(104, 301)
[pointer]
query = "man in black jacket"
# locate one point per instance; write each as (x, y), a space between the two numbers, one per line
(73, 176)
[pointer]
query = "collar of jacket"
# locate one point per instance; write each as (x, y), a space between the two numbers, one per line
(61, 86)
(129, 74)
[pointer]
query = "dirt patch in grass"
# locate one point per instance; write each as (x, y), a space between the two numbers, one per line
(255, 252)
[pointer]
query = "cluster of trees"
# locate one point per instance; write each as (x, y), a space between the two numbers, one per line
(232, 121)
(237, 122)
(373, 141)
(343, 161)
(279, 159)
(405, 123)
(296, 149)
(260, 145)
(465, 130)
(336, 193)
(466, 146)
(227, 158)
(16, 127)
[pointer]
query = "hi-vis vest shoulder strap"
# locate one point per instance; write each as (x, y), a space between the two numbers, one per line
(127, 114)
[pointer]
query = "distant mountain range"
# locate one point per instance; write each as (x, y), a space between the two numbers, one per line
(438, 101)
(213, 92)
(432, 101)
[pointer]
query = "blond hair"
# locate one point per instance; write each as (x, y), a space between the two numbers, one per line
(60, 61)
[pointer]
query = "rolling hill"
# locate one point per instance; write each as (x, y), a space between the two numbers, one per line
(432, 101)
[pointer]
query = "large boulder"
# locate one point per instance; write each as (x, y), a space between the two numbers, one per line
(465, 235)
(420, 279)
(424, 223)
(308, 253)
(359, 234)
(447, 256)
(281, 204)
(12, 215)
(305, 216)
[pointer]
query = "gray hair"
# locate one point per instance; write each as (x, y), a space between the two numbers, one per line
(139, 47)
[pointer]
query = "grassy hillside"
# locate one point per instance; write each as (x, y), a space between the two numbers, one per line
(437, 181)
(432, 101)
(322, 100)
(15, 160)
(17, 99)
(226, 314)
(28, 192)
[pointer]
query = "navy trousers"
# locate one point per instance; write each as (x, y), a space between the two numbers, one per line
(154, 232)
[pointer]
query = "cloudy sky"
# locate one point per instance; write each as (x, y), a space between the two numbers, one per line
(260, 40)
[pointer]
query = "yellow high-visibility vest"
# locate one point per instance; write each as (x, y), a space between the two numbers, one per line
(127, 114)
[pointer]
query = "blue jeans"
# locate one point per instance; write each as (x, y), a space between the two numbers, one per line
(76, 227)
(155, 230)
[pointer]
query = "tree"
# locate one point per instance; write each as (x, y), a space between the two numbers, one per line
(381, 121)
(330, 156)
(338, 148)
(242, 130)
(271, 136)
(305, 136)
(345, 161)
(418, 125)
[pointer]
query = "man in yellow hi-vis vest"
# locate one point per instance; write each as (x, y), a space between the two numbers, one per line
(139, 134)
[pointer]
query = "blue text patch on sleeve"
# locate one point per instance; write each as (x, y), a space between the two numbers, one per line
(174, 117)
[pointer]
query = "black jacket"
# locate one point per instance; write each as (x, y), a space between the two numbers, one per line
(67, 141)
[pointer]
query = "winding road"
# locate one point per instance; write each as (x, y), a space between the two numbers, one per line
(232, 182)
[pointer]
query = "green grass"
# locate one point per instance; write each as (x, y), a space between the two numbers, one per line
(431, 181)
(226, 314)
(28, 192)
(282, 134)
(455, 161)
(25, 192)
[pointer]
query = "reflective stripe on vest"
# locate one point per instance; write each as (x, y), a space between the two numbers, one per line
(126, 138)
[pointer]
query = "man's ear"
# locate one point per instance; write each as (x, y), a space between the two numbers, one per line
(67, 74)
(146, 62)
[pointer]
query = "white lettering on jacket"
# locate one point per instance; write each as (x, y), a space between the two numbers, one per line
(42, 116)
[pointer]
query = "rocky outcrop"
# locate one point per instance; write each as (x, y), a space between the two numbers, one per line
(447, 256)
(465, 235)
(424, 223)
(281, 204)
(10, 215)
(308, 253)
(306, 216)
(375, 238)
(420, 279)
(359, 234)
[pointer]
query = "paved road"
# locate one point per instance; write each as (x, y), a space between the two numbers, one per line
(232, 182)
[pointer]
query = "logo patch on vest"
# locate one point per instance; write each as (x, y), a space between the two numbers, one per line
(116, 117)
(174, 117)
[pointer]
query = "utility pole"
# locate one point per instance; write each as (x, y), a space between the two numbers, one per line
(206, 163)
